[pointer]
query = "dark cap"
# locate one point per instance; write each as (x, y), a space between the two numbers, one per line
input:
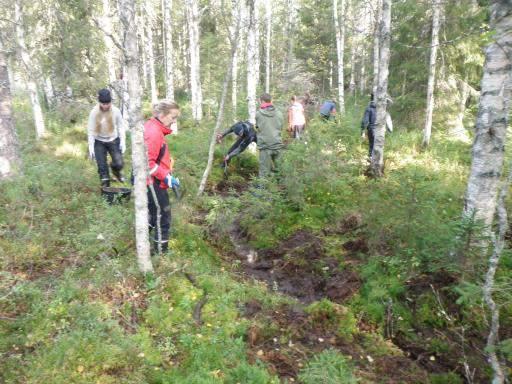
(104, 96)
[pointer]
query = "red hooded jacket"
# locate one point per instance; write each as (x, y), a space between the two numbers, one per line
(154, 137)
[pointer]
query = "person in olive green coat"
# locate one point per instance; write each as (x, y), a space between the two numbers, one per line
(269, 123)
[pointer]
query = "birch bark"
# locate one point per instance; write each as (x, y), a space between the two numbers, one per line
(10, 159)
(150, 51)
(193, 19)
(168, 49)
(376, 44)
(377, 160)
(492, 119)
(252, 58)
(427, 132)
(139, 157)
(29, 68)
(339, 26)
(268, 19)
(106, 22)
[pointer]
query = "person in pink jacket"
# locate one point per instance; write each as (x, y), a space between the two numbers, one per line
(296, 118)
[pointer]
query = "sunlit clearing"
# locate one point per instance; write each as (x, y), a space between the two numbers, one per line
(68, 149)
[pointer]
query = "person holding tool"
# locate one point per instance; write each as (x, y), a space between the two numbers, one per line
(246, 134)
(165, 114)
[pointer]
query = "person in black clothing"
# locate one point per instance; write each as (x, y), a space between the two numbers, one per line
(246, 135)
(369, 120)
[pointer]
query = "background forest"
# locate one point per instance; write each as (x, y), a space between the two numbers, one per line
(359, 278)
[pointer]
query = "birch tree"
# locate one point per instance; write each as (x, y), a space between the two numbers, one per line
(492, 119)
(168, 49)
(150, 52)
(193, 19)
(252, 58)
(10, 159)
(268, 19)
(436, 10)
(29, 67)
(227, 79)
(377, 160)
(139, 158)
(106, 25)
(376, 44)
(339, 26)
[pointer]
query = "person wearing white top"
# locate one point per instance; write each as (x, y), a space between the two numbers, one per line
(106, 135)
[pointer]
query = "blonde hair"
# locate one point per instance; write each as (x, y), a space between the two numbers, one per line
(163, 107)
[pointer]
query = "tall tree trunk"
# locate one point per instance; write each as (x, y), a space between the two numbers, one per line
(193, 19)
(339, 26)
(227, 79)
(150, 50)
(376, 45)
(29, 68)
(139, 157)
(106, 22)
(49, 92)
(168, 49)
(10, 159)
(377, 160)
(488, 288)
(252, 58)
(268, 14)
(436, 10)
(141, 46)
(492, 119)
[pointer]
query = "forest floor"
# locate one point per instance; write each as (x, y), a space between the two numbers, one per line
(322, 276)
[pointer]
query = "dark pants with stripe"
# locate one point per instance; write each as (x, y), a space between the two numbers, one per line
(162, 199)
(371, 140)
(101, 149)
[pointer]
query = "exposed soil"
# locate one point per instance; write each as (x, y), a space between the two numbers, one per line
(299, 267)
(286, 338)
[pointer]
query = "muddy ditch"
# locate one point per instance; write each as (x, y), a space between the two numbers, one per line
(298, 267)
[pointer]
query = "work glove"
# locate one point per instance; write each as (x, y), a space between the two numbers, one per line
(362, 134)
(91, 152)
(122, 146)
(219, 138)
(172, 181)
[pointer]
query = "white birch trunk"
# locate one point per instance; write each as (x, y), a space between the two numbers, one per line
(492, 120)
(499, 244)
(339, 27)
(106, 25)
(141, 44)
(168, 49)
(193, 19)
(352, 82)
(377, 160)
(150, 51)
(268, 15)
(362, 73)
(49, 92)
(139, 157)
(252, 59)
(227, 79)
(10, 159)
(29, 68)
(234, 85)
(376, 45)
(436, 10)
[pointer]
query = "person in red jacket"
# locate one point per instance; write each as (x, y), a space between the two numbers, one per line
(165, 114)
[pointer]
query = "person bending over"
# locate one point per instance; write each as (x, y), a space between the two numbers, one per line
(246, 134)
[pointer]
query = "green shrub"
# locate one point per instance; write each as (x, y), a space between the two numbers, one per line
(328, 367)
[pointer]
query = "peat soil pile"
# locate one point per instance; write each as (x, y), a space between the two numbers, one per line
(299, 267)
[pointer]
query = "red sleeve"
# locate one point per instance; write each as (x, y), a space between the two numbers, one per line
(154, 144)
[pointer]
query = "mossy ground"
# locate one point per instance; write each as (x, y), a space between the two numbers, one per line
(74, 308)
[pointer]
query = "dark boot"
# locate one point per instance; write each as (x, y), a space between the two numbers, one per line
(105, 182)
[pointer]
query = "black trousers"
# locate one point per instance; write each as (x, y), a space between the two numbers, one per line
(101, 149)
(162, 199)
(239, 146)
(371, 140)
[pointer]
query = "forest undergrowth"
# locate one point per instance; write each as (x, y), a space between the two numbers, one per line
(320, 274)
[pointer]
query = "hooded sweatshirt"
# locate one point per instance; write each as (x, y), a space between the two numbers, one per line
(154, 138)
(269, 122)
